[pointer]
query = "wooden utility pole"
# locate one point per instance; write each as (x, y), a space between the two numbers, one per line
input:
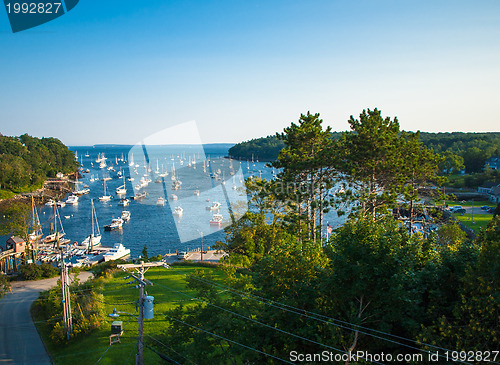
(66, 298)
(142, 282)
(201, 252)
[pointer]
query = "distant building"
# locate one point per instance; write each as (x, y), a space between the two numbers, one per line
(493, 163)
(487, 187)
(495, 194)
(16, 243)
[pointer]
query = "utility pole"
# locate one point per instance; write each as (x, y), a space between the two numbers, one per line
(66, 298)
(142, 282)
(201, 252)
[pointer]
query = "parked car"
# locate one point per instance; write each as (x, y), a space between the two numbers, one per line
(485, 207)
(455, 208)
(182, 255)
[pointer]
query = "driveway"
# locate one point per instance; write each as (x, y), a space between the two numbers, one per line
(19, 339)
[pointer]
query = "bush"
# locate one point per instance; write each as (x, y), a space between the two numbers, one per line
(36, 272)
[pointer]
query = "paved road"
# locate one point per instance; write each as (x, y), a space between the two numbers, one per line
(19, 339)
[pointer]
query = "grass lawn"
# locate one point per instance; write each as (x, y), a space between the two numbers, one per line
(122, 296)
(6, 194)
(480, 221)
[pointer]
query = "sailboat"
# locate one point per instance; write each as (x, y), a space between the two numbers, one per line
(78, 191)
(131, 161)
(37, 227)
(121, 189)
(157, 171)
(173, 173)
(105, 197)
(94, 239)
(54, 236)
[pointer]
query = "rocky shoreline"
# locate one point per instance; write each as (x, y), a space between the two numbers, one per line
(53, 188)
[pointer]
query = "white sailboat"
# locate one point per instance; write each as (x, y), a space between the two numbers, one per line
(37, 227)
(105, 197)
(131, 161)
(54, 236)
(94, 239)
(121, 189)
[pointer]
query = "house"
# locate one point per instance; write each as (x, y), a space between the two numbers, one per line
(495, 194)
(16, 243)
(493, 163)
(487, 187)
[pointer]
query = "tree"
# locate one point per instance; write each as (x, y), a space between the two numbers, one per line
(368, 280)
(469, 319)
(474, 159)
(253, 235)
(307, 173)
(144, 253)
(15, 220)
(4, 285)
(370, 161)
(451, 163)
(418, 167)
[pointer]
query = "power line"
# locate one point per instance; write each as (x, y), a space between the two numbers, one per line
(226, 339)
(262, 324)
(271, 303)
(161, 343)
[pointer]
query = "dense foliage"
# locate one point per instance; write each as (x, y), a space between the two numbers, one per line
(373, 286)
(36, 272)
(86, 305)
(27, 161)
(467, 151)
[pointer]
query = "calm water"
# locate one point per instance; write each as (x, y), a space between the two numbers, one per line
(150, 224)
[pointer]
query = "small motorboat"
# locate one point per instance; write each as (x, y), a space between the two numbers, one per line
(116, 223)
(125, 215)
(216, 220)
(214, 206)
(124, 202)
(72, 200)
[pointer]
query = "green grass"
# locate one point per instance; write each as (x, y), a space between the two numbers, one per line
(479, 222)
(88, 349)
(6, 194)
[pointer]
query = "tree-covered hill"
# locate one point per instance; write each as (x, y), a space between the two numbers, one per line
(474, 148)
(27, 161)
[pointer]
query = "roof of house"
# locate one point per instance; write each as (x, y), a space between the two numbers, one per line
(489, 184)
(15, 239)
(493, 161)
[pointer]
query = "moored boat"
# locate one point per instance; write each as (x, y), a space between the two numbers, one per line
(216, 220)
(117, 252)
(116, 223)
(125, 215)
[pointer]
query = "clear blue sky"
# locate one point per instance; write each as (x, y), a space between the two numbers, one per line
(117, 71)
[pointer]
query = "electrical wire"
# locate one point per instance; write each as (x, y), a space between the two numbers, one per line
(262, 324)
(315, 317)
(168, 347)
(228, 340)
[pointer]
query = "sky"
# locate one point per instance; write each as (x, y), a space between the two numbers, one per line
(118, 71)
